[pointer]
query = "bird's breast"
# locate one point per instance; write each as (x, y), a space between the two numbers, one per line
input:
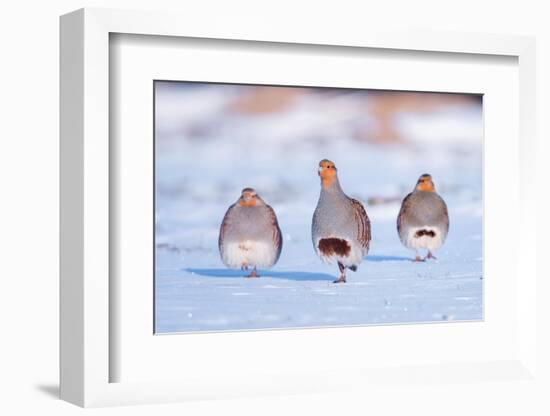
(333, 219)
(250, 224)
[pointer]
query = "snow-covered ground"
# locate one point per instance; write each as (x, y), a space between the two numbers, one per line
(206, 154)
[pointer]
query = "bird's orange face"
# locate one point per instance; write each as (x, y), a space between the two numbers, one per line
(327, 172)
(248, 198)
(425, 183)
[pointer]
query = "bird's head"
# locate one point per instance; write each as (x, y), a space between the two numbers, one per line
(425, 183)
(249, 198)
(327, 172)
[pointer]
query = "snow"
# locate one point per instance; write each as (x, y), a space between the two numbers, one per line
(205, 155)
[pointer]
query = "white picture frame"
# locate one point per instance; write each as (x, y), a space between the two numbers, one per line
(86, 305)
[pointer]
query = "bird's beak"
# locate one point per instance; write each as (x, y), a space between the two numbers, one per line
(320, 169)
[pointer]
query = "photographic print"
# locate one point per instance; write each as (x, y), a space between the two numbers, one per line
(280, 207)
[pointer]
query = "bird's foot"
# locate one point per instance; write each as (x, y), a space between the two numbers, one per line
(430, 256)
(341, 279)
(253, 273)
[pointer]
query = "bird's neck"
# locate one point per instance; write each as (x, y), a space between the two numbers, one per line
(332, 189)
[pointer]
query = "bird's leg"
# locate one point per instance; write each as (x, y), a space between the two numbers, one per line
(253, 273)
(430, 256)
(244, 267)
(342, 278)
(418, 257)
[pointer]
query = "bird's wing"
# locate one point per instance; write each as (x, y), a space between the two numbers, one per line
(277, 236)
(403, 211)
(223, 226)
(445, 214)
(363, 224)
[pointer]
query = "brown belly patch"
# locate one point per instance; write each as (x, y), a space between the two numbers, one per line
(421, 233)
(334, 246)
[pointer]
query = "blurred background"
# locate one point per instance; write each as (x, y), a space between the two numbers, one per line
(212, 140)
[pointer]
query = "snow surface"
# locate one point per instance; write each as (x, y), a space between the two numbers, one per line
(206, 154)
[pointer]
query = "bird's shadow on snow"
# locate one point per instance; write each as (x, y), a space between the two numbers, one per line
(290, 275)
(381, 258)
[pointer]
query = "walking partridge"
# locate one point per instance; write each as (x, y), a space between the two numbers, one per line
(423, 221)
(249, 234)
(340, 228)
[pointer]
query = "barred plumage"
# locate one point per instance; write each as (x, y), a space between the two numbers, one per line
(363, 225)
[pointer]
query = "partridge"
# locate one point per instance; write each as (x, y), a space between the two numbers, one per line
(250, 236)
(423, 221)
(340, 228)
